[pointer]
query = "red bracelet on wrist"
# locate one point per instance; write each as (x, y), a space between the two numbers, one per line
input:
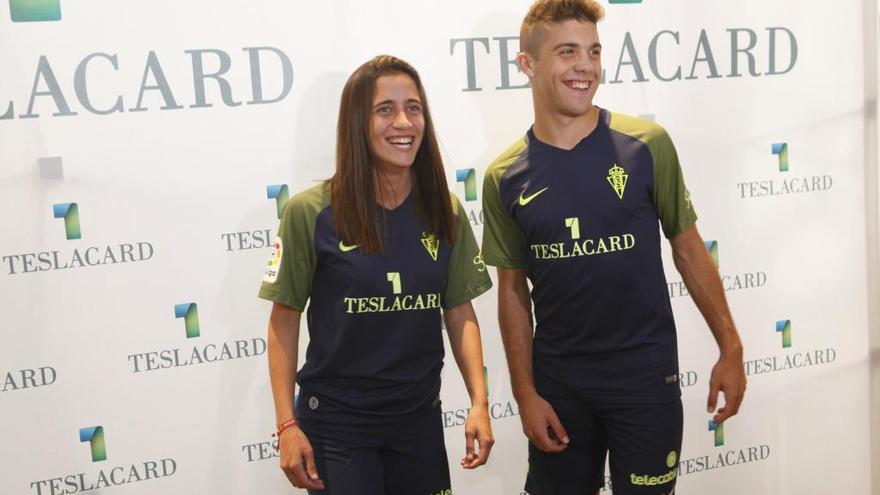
(285, 425)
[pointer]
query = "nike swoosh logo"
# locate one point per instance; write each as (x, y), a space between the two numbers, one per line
(345, 249)
(524, 200)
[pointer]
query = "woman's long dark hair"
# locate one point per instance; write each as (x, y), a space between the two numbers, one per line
(358, 216)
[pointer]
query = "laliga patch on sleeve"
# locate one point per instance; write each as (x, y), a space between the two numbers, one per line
(274, 263)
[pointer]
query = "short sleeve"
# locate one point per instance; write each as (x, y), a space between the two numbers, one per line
(290, 270)
(504, 244)
(671, 197)
(466, 277)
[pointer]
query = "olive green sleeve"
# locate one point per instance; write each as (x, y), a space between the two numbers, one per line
(671, 197)
(504, 244)
(466, 277)
(289, 272)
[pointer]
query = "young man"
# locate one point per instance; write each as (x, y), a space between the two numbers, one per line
(574, 207)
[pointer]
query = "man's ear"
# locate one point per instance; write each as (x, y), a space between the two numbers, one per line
(526, 64)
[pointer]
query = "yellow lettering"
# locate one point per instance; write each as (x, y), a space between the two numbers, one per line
(544, 249)
(535, 248)
(362, 304)
(615, 243)
(396, 305)
(406, 302)
(587, 250)
(420, 304)
(564, 251)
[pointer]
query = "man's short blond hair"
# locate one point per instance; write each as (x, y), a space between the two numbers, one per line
(553, 11)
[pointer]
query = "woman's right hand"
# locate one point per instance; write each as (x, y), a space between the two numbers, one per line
(298, 459)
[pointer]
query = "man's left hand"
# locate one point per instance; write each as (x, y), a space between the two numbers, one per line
(729, 378)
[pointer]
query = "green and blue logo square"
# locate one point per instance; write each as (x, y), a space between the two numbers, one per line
(190, 314)
(781, 149)
(784, 327)
(486, 379)
(70, 213)
(280, 194)
(719, 432)
(35, 10)
(712, 247)
(469, 177)
(95, 436)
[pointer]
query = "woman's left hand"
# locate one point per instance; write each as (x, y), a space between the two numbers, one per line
(477, 428)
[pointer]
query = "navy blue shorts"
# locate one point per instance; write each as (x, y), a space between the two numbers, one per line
(400, 458)
(643, 442)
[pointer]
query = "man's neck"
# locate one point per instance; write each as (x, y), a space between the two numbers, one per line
(562, 131)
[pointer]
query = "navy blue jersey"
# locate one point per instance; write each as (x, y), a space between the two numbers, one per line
(376, 347)
(583, 223)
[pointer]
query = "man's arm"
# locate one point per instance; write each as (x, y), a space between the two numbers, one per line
(297, 457)
(704, 284)
(464, 340)
(515, 318)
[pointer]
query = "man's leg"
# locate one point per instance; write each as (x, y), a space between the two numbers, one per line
(644, 443)
(580, 468)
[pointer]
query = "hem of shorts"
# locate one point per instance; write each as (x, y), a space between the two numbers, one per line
(530, 489)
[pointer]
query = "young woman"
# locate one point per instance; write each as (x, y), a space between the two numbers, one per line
(379, 251)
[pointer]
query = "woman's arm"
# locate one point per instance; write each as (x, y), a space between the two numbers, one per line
(464, 339)
(297, 458)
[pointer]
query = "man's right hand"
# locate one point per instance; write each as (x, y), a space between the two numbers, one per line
(298, 459)
(541, 424)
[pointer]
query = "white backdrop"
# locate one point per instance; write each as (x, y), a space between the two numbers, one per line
(105, 107)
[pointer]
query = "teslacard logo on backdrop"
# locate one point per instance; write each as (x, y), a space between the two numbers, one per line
(497, 409)
(259, 238)
(793, 359)
(81, 255)
(35, 10)
(261, 451)
(687, 379)
(99, 90)
(106, 477)
(194, 354)
(468, 178)
(95, 436)
(730, 282)
(731, 53)
(29, 378)
(721, 456)
(783, 184)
